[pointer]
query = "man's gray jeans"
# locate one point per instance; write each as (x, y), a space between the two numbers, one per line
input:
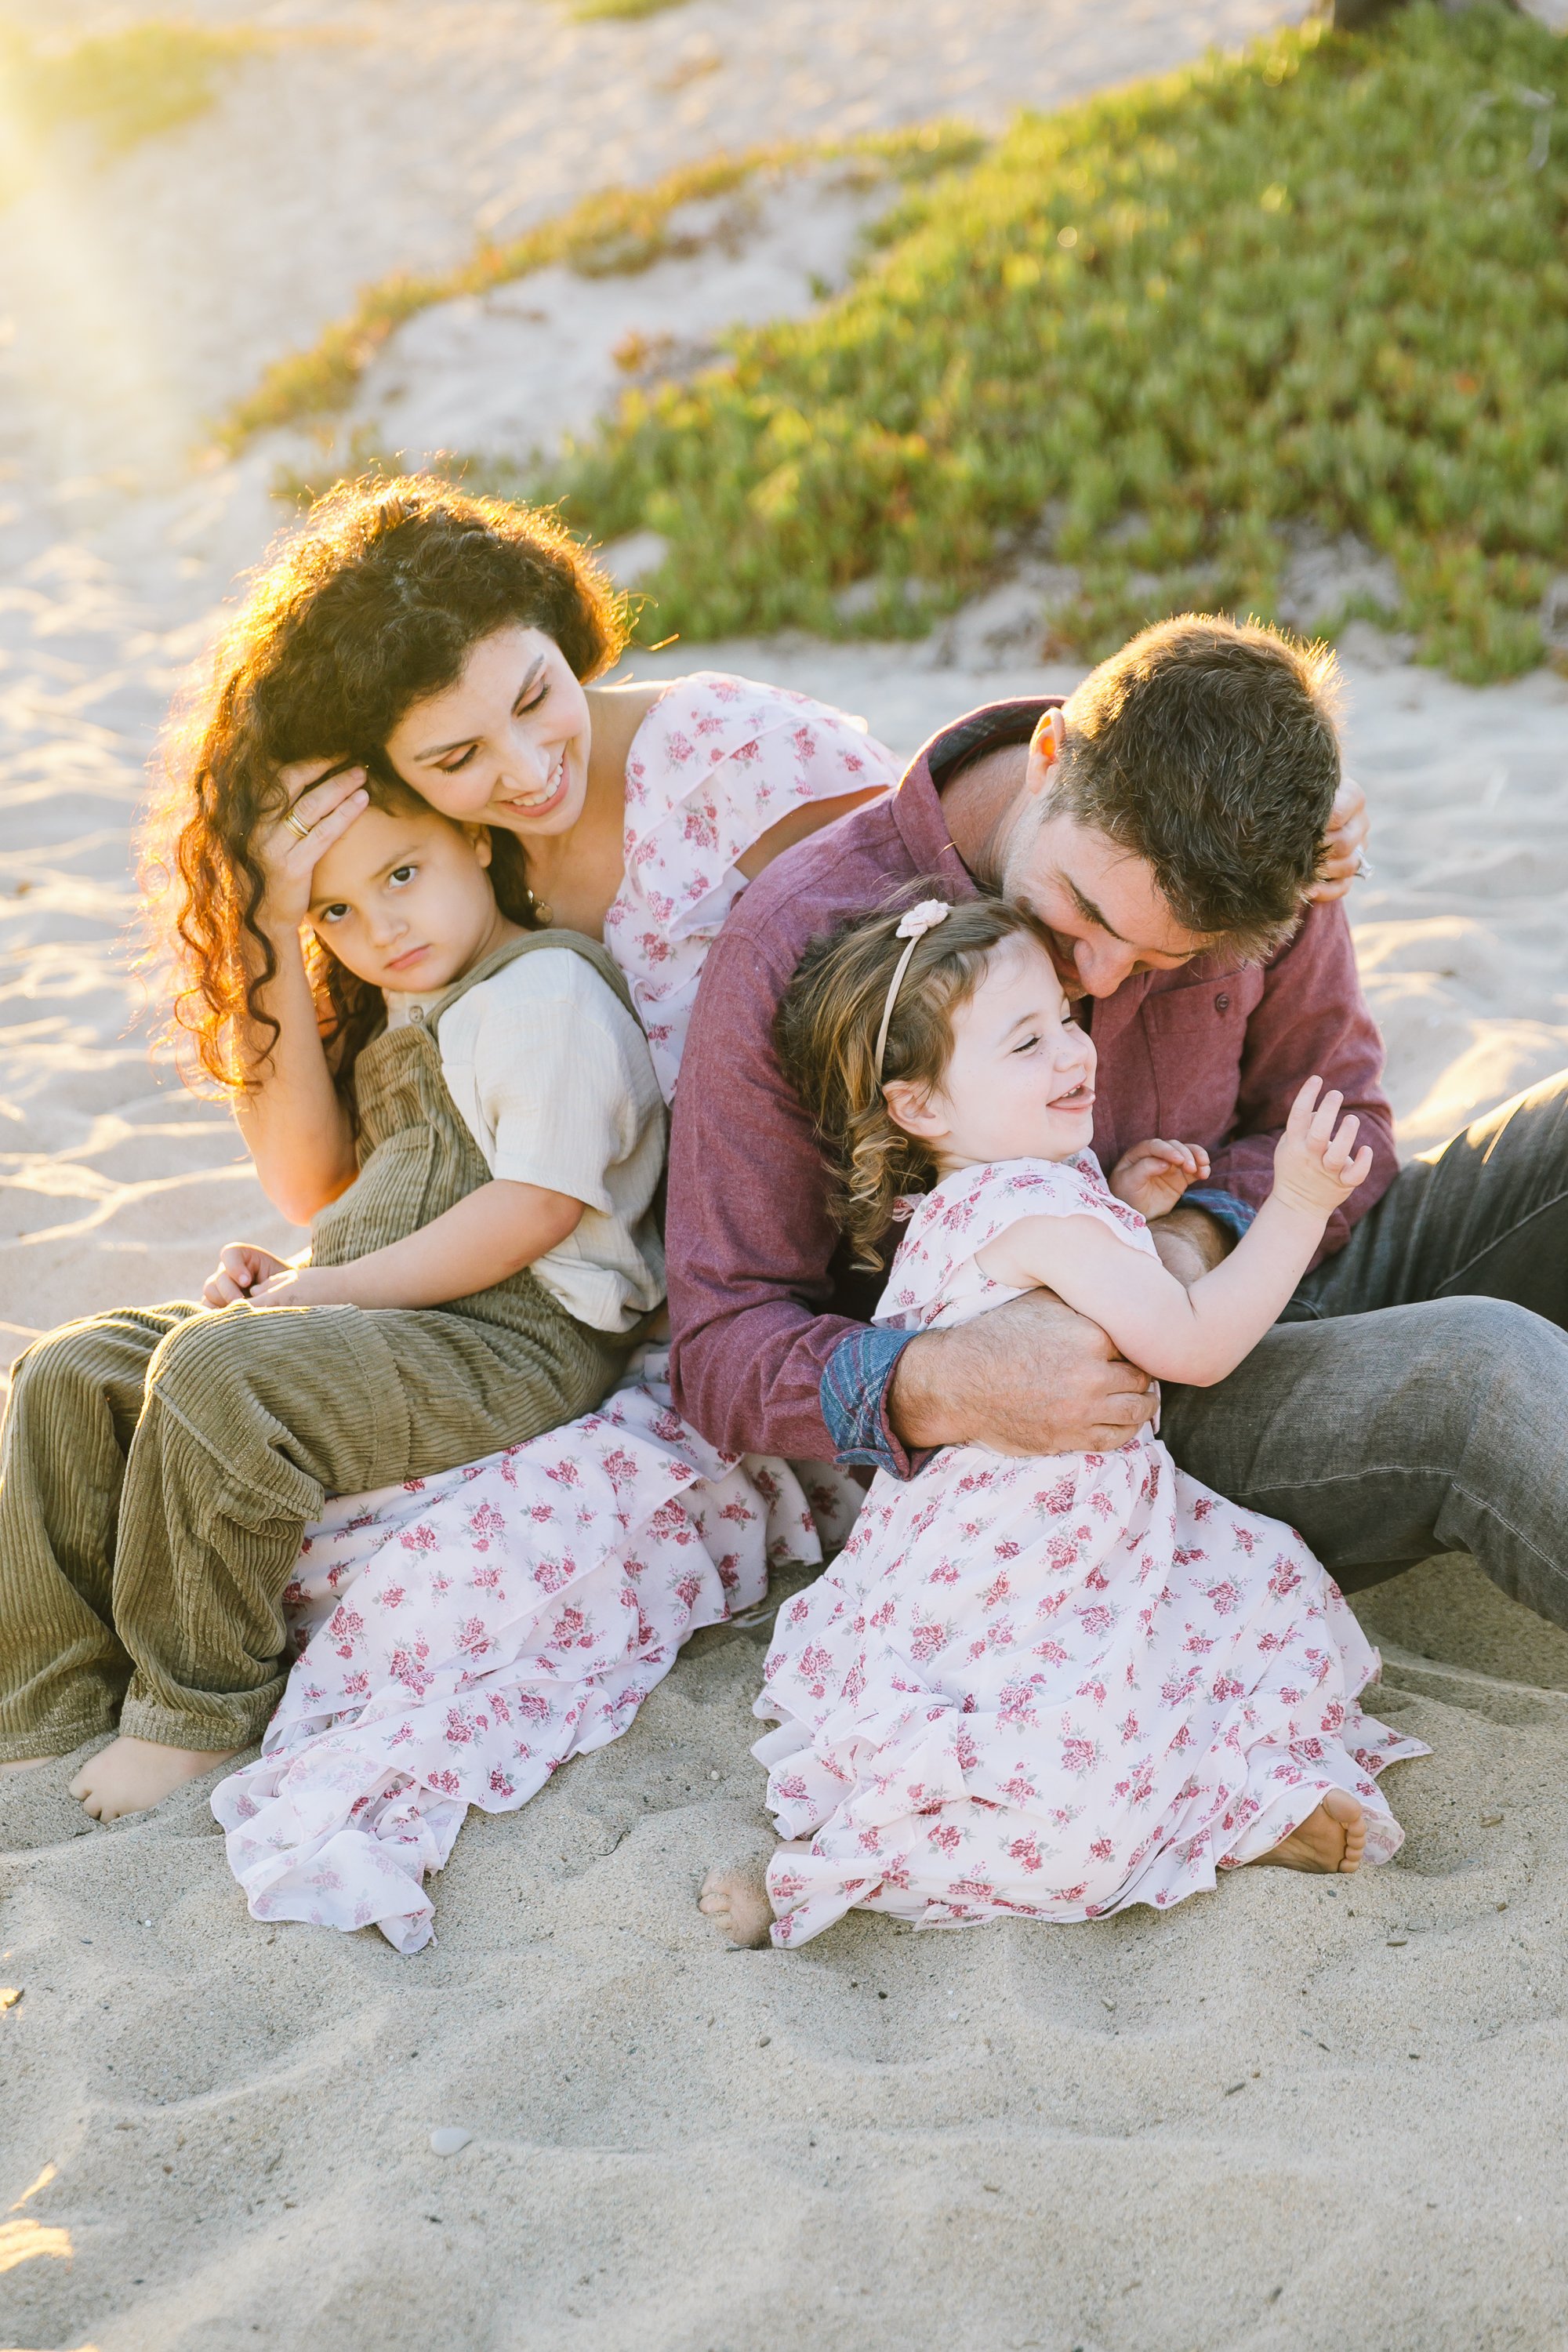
(1413, 1397)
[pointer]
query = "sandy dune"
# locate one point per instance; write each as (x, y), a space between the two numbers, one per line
(382, 134)
(213, 2134)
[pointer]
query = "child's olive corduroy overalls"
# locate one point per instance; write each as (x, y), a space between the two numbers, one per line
(159, 1466)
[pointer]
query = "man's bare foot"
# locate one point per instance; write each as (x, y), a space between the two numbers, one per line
(736, 1900)
(1333, 1838)
(131, 1775)
(27, 1764)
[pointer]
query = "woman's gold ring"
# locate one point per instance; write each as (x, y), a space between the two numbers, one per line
(290, 820)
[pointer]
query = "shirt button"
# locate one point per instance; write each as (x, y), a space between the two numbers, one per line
(417, 1012)
(1221, 1003)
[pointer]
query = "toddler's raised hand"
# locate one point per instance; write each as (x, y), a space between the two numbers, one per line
(1153, 1176)
(1316, 1164)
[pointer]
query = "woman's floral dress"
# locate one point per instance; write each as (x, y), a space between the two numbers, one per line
(1053, 1687)
(716, 762)
(461, 1638)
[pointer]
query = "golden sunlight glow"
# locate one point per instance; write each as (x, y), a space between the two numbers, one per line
(23, 2241)
(88, 348)
(42, 2181)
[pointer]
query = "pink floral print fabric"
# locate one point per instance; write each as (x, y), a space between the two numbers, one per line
(461, 1637)
(715, 763)
(1051, 1687)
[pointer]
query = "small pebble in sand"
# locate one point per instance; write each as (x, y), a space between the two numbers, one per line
(1396, 1941)
(449, 2138)
(1491, 1821)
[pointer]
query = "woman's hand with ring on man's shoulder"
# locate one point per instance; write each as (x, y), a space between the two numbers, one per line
(1344, 843)
(322, 802)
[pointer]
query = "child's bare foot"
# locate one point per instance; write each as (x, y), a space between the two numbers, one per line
(129, 1775)
(736, 1900)
(27, 1764)
(1333, 1838)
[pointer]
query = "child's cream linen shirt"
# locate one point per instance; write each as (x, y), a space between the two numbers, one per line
(551, 1077)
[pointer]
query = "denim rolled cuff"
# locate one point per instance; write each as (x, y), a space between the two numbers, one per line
(854, 1397)
(1223, 1207)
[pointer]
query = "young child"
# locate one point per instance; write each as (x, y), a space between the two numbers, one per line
(1046, 1688)
(467, 1109)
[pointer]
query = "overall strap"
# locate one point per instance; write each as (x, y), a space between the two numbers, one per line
(591, 951)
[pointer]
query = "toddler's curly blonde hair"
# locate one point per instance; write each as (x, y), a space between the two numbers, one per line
(825, 1035)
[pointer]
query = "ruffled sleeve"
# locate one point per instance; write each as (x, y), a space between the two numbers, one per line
(934, 1279)
(715, 762)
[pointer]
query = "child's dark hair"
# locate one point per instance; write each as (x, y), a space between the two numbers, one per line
(349, 1010)
(1209, 749)
(825, 1035)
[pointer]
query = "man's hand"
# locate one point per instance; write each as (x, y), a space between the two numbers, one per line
(1191, 1243)
(1028, 1378)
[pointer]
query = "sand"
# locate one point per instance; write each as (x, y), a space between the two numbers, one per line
(214, 2133)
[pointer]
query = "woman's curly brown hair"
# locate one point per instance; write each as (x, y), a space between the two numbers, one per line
(825, 1035)
(373, 604)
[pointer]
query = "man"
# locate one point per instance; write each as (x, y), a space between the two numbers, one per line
(1166, 824)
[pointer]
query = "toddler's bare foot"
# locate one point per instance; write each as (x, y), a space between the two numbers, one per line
(131, 1775)
(1333, 1838)
(27, 1764)
(736, 1900)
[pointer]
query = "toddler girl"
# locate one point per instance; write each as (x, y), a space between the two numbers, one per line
(467, 1109)
(1046, 1688)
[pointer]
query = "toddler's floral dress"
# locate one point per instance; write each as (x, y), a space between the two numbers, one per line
(460, 1638)
(1051, 1686)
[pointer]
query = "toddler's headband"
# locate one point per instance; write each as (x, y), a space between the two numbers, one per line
(913, 926)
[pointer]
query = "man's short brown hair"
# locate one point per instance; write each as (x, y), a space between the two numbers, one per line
(1208, 748)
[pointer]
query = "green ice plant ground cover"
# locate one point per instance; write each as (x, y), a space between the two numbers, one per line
(1324, 282)
(615, 230)
(124, 85)
(584, 11)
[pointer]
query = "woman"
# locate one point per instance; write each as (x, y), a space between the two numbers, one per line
(455, 641)
(415, 637)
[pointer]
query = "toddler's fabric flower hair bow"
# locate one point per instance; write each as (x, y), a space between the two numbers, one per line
(912, 926)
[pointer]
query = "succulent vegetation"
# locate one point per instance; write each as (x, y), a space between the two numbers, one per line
(615, 229)
(585, 10)
(1322, 283)
(122, 87)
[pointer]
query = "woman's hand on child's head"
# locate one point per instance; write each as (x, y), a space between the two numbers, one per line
(1153, 1176)
(1316, 1164)
(240, 1267)
(323, 801)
